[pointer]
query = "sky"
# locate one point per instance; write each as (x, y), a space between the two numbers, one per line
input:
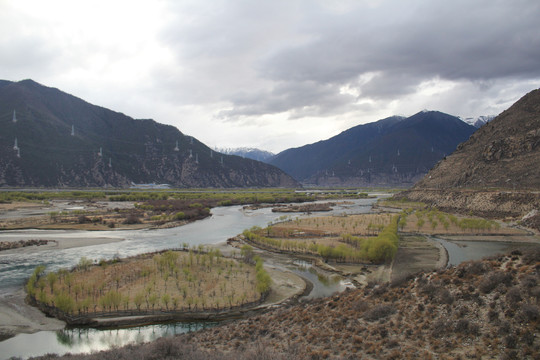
(280, 73)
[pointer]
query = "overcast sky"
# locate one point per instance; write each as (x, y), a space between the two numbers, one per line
(280, 73)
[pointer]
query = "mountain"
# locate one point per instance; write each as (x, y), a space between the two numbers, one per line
(53, 139)
(505, 153)
(479, 121)
(395, 151)
(247, 152)
(496, 173)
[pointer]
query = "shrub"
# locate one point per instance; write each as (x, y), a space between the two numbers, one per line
(493, 279)
(132, 219)
(529, 313)
(440, 328)
(513, 296)
(379, 312)
(471, 268)
(464, 326)
(179, 216)
(82, 219)
(445, 297)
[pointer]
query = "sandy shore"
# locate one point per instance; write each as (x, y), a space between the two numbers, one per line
(15, 315)
(58, 240)
(18, 317)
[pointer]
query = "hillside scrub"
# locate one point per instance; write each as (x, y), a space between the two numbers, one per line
(191, 280)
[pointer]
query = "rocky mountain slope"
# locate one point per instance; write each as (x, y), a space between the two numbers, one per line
(496, 173)
(53, 139)
(395, 151)
(505, 153)
(478, 310)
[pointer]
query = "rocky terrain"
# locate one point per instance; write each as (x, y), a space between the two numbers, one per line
(52, 139)
(487, 309)
(504, 153)
(494, 174)
(484, 203)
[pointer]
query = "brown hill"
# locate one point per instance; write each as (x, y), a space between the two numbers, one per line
(504, 153)
(496, 173)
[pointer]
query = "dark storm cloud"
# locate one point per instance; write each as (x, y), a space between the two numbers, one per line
(403, 44)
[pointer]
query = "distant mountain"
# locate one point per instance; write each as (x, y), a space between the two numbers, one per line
(247, 152)
(505, 153)
(395, 151)
(53, 139)
(479, 121)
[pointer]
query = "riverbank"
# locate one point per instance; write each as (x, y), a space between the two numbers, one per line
(17, 317)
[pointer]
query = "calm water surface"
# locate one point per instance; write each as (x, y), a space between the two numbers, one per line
(460, 251)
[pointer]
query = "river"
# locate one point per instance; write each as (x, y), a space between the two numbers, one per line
(224, 223)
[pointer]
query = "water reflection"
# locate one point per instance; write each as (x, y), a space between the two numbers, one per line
(460, 251)
(77, 341)
(225, 222)
(324, 284)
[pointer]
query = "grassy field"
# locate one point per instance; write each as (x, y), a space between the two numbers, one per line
(441, 223)
(331, 239)
(173, 280)
(360, 225)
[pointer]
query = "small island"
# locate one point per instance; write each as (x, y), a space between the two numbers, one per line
(181, 284)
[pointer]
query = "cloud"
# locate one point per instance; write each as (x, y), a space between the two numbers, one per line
(235, 66)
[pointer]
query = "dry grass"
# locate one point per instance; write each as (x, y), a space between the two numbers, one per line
(358, 225)
(437, 315)
(437, 222)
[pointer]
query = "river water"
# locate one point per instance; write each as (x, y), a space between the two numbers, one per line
(224, 223)
(462, 250)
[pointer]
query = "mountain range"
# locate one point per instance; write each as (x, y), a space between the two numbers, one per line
(479, 121)
(52, 139)
(248, 152)
(395, 151)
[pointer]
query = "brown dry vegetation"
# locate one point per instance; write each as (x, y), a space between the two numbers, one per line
(174, 280)
(487, 309)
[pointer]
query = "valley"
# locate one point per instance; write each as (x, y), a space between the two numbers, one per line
(417, 250)
(169, 230)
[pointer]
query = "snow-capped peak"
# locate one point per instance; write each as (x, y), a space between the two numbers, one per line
(478, 121)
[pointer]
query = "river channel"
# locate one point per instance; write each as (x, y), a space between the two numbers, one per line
(224, 223)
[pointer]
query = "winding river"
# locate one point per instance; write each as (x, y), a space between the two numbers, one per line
(224, 223)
